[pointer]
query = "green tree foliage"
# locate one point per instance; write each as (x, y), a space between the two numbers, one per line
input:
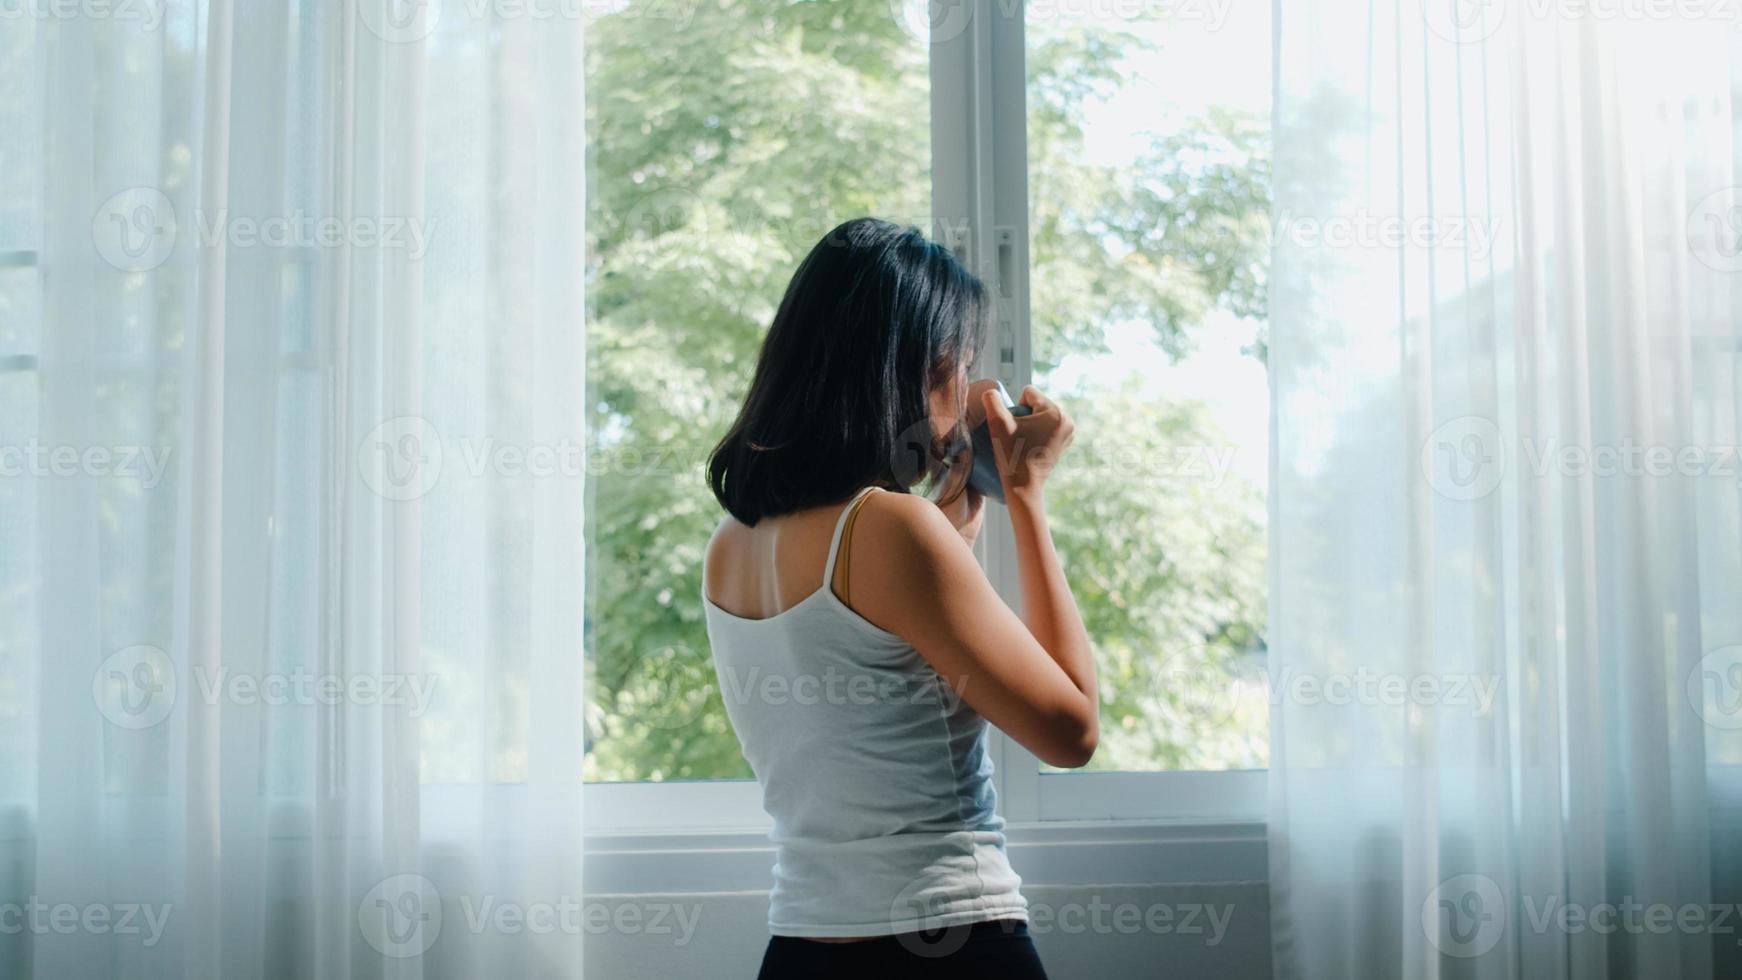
(724, 140)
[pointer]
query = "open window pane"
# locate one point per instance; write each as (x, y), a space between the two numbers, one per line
(710, 175)
(1148, 130)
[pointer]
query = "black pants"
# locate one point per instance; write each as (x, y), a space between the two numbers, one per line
(990, 950)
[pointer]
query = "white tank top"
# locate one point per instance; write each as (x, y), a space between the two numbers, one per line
(874, 770)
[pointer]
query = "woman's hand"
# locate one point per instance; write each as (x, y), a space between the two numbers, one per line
(1027, 446)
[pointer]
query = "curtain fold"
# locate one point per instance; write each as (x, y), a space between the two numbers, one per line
(1505, 496)
(296, 628)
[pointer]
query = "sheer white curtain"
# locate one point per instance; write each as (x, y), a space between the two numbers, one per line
(290, 549)
(1507, 565)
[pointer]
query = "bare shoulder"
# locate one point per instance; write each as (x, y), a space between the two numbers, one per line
(729, 529)
(907, 530)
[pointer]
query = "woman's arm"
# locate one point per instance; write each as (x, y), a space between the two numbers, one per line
(915, 576)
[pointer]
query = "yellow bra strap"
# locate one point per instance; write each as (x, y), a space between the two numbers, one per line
(845, 559)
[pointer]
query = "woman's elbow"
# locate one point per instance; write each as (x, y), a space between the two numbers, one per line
(1075, 751)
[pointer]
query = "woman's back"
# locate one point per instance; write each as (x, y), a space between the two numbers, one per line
(861, 688)
(874, 769)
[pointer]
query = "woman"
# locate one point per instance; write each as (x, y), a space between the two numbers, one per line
(860, 648)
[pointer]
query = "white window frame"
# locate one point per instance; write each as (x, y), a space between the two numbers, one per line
(979, 134)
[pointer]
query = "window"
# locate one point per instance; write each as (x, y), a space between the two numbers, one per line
(709, 178)
(1118, 204)
(1148, 216)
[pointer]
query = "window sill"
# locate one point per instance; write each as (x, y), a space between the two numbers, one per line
(1044, 854)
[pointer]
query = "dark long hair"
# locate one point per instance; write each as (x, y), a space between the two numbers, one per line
(875, 319)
